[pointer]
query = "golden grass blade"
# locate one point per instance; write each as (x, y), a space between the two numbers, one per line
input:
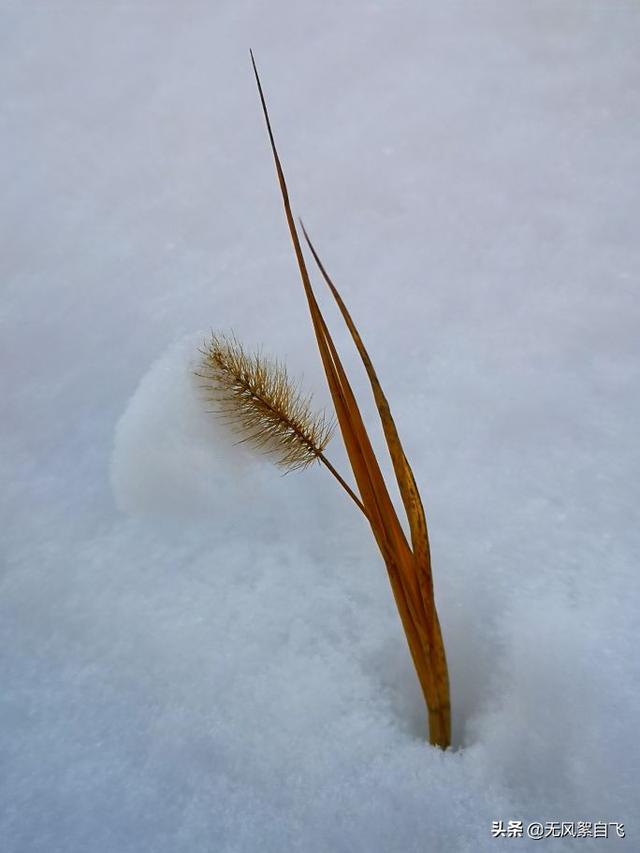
(420, 628)
(375, 497)
(365, 466)
(404, 476)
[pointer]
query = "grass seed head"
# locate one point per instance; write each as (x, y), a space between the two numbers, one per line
(256, 397)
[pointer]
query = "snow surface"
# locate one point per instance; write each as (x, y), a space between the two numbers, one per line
(212, 660)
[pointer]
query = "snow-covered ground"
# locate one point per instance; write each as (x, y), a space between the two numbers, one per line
(198, 654)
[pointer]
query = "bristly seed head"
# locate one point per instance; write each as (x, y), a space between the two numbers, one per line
(257, 398)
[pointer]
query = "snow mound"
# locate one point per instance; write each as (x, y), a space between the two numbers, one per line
(172, 455)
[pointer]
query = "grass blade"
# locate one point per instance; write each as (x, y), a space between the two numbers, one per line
(414, 604)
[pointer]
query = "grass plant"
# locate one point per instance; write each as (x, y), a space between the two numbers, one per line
(259, 399)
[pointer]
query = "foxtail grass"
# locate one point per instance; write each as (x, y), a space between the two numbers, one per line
(255, 395)
(262, 404)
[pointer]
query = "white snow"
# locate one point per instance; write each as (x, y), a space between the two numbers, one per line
(199, 654)
(172, 458)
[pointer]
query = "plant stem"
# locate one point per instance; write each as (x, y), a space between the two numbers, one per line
(343, 483)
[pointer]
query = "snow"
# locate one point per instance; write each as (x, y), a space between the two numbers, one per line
(200, 654)
(171, 458)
